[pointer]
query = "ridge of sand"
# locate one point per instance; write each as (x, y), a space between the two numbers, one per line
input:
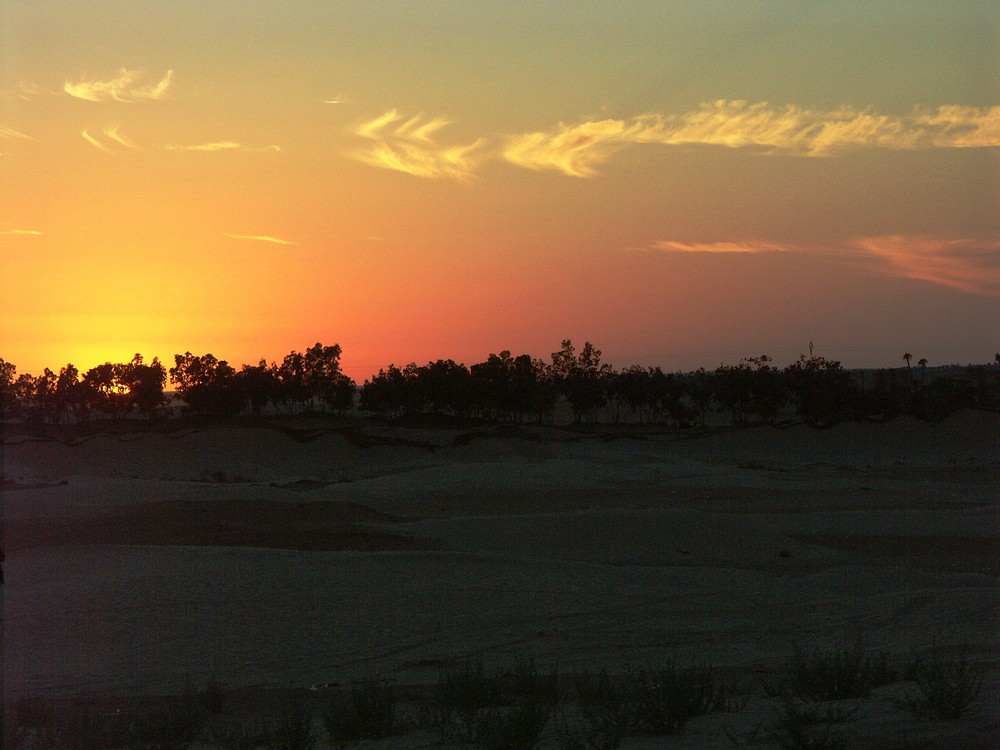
(139, 563)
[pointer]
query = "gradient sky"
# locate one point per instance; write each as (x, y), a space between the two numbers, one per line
(682, 183)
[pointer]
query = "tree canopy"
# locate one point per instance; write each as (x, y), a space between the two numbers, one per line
(503, 387)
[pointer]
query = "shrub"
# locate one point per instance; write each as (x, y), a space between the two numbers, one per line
(838, 674)
(948, 688)
(238, 737)
(174, 726)
(366, 712)
(797, 727)
(31, 712)
(595, 731)
(513, 728)
(662, 701)
(523, 680)
(607, 713)
(293, 728)
(659, 702)
(466, 690)
(651, 702)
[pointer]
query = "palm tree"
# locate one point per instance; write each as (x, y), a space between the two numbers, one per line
(923, 368)
(907, 356)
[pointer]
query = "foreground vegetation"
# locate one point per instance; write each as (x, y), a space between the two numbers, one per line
(518, 707)
(504, 387)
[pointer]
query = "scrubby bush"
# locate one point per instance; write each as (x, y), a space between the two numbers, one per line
(948, 687)
(653, 701)
(661, 701)
(511, 728)
(293, 728)
(839, 673)
(801, 727)
(466, 691)
(367, 711)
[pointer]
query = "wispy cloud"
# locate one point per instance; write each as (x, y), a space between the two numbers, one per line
(719, 247)
(115, 139)
(261, 238)
(94, 142)
(338, 99)
(14, 134)
(31, 90)
(20, 232)
(215, 146)
(220, 146)
(956, 126)
(123, 88)
(410, 146)
(577, 150)
(113, 132)
(969, 265)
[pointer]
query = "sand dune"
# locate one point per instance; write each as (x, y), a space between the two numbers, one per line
(137, 563)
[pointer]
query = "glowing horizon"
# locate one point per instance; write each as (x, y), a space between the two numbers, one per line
(679, 184)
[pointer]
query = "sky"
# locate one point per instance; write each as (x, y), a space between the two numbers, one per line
(683, 184)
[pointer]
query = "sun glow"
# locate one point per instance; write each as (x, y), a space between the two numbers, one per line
(410, 197)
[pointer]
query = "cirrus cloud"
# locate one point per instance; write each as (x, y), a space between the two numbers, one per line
(752, 246)
(220, 146)
(577, 150)
(14, 134)
(260, 238)
(114, 139)
(94, 142)
(125, 87)
(969, 265)
(410, 146)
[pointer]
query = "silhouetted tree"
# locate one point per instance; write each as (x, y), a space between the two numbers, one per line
(393, 391)
(446, 387)
(534, 392)
(302, 379)
(208, 385)
(43, 396)
(340, 395)
(8, 395)
(104, 392)
(579, 378)
(981, 386)
(24, 394)
(643, 390)
(293, 385)
(700, 392)
(751, 388)
(821, 390)
(145, 384)
(883, 399)
(70, 396)
(259, 385)
(492, 384)
(323, 378)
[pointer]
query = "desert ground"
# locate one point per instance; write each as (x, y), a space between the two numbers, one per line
(278, 557)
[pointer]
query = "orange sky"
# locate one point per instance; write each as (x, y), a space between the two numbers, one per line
(681, 183)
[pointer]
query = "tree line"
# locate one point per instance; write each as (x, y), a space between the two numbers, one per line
(504, 387)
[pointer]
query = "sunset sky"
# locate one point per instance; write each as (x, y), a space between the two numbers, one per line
(682, 183)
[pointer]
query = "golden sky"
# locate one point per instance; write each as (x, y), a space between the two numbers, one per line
(681, 183)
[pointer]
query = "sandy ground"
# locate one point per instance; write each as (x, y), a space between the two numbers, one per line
(137, 563)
